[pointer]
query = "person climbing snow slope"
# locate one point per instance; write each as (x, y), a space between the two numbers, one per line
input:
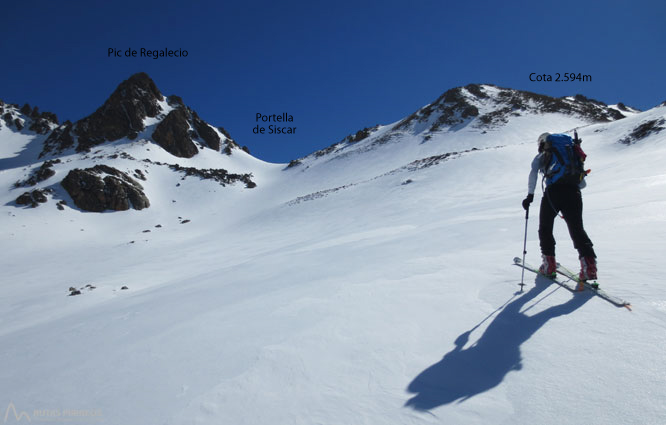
(560, 160)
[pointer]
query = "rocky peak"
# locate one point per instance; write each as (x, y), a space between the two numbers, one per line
(462, 104)
(451, 108)
(123, 113)
(26, 116)
(123, 116)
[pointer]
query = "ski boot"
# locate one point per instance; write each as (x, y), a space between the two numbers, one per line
(588, 273)
(588, 268)
(549, 266)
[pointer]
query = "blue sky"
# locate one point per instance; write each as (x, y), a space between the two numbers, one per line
(336, 67)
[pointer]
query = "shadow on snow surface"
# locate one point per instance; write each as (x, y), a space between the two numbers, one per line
(464, 373)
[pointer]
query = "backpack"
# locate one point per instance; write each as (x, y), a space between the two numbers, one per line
(563, 160)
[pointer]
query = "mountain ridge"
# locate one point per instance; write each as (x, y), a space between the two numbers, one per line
(460, 106)
(122, 115)
(137, 115)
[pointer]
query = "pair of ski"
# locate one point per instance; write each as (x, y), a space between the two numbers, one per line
(579, 285)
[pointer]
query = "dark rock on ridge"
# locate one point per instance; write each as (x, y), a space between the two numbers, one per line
(173, 134)
(39, 122)
(352, 138)
(452, 108)
(7, 117)
(206, 132)
(60, 139)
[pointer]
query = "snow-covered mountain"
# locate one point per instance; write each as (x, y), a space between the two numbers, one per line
(463, 118)
(100, 159)
(369, 282)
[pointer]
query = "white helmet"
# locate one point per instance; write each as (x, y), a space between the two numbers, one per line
(542, 140)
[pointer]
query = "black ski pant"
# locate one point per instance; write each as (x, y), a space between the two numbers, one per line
(568, 200)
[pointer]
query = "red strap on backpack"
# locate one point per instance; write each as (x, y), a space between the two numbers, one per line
(580, 152)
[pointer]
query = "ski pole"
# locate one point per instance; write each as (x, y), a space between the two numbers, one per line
(522, 277)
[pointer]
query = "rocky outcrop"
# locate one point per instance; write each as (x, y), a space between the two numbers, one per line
(43, 123)
(7, 118)
(60, 139)
(514, 102)
(175, 101)
(450, 108)
(40, 122)
(206, 132)
(352, 138)
(103, 188)
(173, 134)
(26, 116)
(33, 198)
(360, 135)
(644, 130)
(219, 175)
(44, 172)
(177, 132)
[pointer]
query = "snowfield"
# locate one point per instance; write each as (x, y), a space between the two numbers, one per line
(350, 289)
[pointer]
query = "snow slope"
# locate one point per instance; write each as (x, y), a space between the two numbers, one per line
(364, 288)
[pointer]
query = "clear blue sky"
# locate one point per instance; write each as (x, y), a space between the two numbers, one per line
(336, 66)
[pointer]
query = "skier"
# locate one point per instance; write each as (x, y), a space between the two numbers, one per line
(560, 195)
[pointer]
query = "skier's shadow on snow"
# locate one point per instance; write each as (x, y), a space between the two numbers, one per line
(466, 372)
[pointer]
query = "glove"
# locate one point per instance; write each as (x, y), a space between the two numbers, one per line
(527, 201)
